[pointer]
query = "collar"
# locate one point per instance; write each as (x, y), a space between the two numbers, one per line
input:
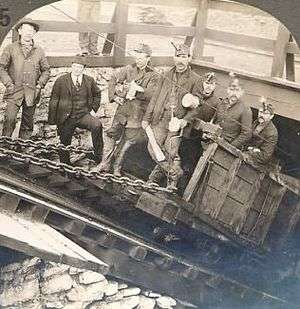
(33, 45)
(74, 78)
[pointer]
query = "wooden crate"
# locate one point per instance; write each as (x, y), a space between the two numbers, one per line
(237, 196)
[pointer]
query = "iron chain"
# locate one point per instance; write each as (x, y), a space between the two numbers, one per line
(76, 171)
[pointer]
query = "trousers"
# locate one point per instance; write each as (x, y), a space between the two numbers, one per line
(66, 132)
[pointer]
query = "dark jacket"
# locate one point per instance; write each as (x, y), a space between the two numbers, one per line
(24, 72)
(60, 105)
(132, 112)
(236, 122)
(189, 82)
(265, 140)
(208, 108)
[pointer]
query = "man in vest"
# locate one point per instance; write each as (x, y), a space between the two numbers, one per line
(24, 70)
(167, 116)
(73, 97)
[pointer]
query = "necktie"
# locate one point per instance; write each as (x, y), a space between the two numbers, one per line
(77, 85)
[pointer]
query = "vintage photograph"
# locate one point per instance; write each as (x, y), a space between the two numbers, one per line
(149, 155)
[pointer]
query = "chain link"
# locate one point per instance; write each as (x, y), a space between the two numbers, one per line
(78, 172)
(42, 146)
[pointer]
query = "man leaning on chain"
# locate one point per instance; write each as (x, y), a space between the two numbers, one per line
(24, 70)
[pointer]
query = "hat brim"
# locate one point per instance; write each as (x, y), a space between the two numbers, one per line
(33, 24)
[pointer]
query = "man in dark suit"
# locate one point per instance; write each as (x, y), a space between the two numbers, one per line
(24, 70)
(73, 97)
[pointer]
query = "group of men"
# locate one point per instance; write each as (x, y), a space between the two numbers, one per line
(152, 106)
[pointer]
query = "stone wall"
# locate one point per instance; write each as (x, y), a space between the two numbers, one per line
(37, 284)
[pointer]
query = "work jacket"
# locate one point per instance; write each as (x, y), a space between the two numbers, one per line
(188, 82)
(236, 122)
(24, 72)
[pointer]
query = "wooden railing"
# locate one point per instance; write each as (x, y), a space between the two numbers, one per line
(283, 48)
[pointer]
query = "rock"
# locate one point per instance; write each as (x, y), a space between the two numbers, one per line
(26, 291)
(54, 305)
(122, 286)
(146, 303)
(130, 292)
(54, 270)
(151, 294)
(75, 271)
(90, 292)
(90, 277)
(56, 284)
(8, 276)
(126, 303)
(111, 288)
(165, 302)
(76, 305)
(11, 267)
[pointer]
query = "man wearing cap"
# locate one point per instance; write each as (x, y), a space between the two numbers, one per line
(74, 96)
(167, 116)
(24, 70)
(261, 147)
(131, 87)
(233, 116)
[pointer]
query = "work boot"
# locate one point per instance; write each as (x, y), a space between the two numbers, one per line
(156, 175)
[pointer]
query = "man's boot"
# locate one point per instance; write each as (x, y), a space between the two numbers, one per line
(156, 175)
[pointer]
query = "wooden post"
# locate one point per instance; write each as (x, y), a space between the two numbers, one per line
(280, 49)
(201, 23)
(290, 65)
(120, 36)
(110, 37)
(189, 39)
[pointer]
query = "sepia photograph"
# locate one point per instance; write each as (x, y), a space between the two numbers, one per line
(149, 154)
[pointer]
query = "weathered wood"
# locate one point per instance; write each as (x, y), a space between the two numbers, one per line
(74, 188)
(290, 64)
(39, 214)
(67, 26)
(189, 39)
(37, 239)
(137, 252)
(121, 30)
(74, 227)
(136, 28)
(110, 39)
(38, 172)
(193, 183)
(280, 49)
(242, 40)
(9, 202)
(239, 218)
(229, 179)
(201, 23)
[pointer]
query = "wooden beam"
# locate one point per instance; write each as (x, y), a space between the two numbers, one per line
(110, 37)
(135, 28)
(202, 163)
(201, 23)
(121, 30)
(293, 48)
(189, 39)
(280, 50)
(66, 26)
(242, 40)
(290, 65)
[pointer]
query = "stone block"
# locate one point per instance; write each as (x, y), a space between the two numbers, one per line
(122, 286)
(126, 303)
(75, 271)
(111, 288)
(26, 291)
(151, 294)
(54, 305)
(89, 277)
(57, 284)
(165, 302)
(146, 303)
(85, 293)
(130, 292)
(52, 270)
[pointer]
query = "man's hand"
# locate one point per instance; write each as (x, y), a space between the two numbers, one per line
(145, 124)
(119, 100)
